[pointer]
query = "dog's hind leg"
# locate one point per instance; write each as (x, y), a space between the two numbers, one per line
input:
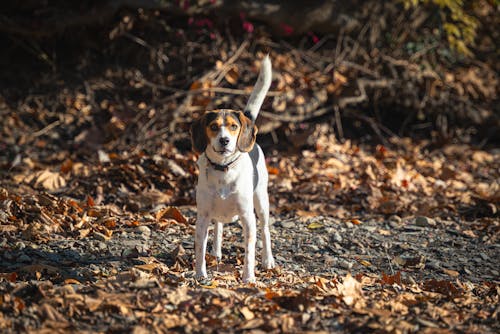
(261, 202)
(250, 235)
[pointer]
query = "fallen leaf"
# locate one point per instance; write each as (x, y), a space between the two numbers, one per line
(315, 225)
(147, 267)
(273, 170)
(365, 263)
(451, 273)
(247, 314)
(66, 166)
(213, 285)
(351, 291)
(441, 286)
(171, 213)
(71, 281)
(391, 279)
(46, 180)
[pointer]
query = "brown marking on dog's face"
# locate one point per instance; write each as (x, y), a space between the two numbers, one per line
(225, 131)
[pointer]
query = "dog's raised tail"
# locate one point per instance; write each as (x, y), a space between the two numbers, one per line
(260, 89)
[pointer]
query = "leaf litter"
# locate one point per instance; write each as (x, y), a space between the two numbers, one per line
(353, 235)
(97, 235)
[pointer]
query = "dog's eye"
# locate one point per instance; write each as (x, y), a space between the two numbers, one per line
(214, 127)
(234, 127)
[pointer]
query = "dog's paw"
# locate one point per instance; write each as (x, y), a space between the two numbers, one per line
(268, 263)
(201, 277)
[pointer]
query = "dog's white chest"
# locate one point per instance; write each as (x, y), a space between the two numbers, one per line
(222, 195)
(221, 188)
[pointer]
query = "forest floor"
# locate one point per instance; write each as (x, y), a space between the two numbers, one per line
(363, 242)
(384, 180)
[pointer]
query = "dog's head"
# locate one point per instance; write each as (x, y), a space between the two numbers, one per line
(224, 131)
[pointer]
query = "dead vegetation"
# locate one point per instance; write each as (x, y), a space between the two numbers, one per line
(373, 231)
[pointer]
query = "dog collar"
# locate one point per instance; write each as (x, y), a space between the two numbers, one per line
(223, 168)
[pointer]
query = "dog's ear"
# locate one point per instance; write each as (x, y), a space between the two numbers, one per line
(248, 133)
(199, 135)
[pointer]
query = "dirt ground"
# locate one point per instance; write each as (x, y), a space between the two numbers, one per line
(382, 150)
(123, 261)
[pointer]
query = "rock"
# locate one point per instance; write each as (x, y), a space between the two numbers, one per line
(8, 255)
(432, 264)
(424, 221)
(395, 219)
(484, 256)
(345, 264)
(144, 230)
(336, 237)
(24, 258)
(313, 248)
(20, 245)
(287, 224)
(101, 245)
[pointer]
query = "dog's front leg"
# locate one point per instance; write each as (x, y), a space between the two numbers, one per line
(250, 234)
(200, 244)
(217, 246)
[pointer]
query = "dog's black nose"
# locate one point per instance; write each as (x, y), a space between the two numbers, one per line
(224, 141)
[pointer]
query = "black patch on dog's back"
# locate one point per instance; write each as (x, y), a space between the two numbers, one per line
(254, 155)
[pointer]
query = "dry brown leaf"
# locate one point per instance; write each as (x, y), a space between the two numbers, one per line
(451, 273)
(351, 291)
(149, 267)
(71, 281)
(391, 279)
(171, 213)
(247, 314)
(46, 180)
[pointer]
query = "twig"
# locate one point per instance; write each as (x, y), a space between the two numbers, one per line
(297, 118)
(179, 92)
(320, 43)
(45, 129)
(226, 67)
(362, 84)
(338, 123)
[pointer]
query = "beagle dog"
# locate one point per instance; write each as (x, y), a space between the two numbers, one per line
(233, 178)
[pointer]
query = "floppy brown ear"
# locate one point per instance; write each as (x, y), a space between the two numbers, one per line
(248, 133)
(199, 135)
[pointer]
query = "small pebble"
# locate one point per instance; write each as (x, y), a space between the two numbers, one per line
(101, 245)
(287, 224)
(24, 258)
(433, 265)
(484, 256)
(144, 230)
(395, 219)
(20, 245)
(336, 237)
(321, 242)
(345, 264)
(424, 221)
(314, 248)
